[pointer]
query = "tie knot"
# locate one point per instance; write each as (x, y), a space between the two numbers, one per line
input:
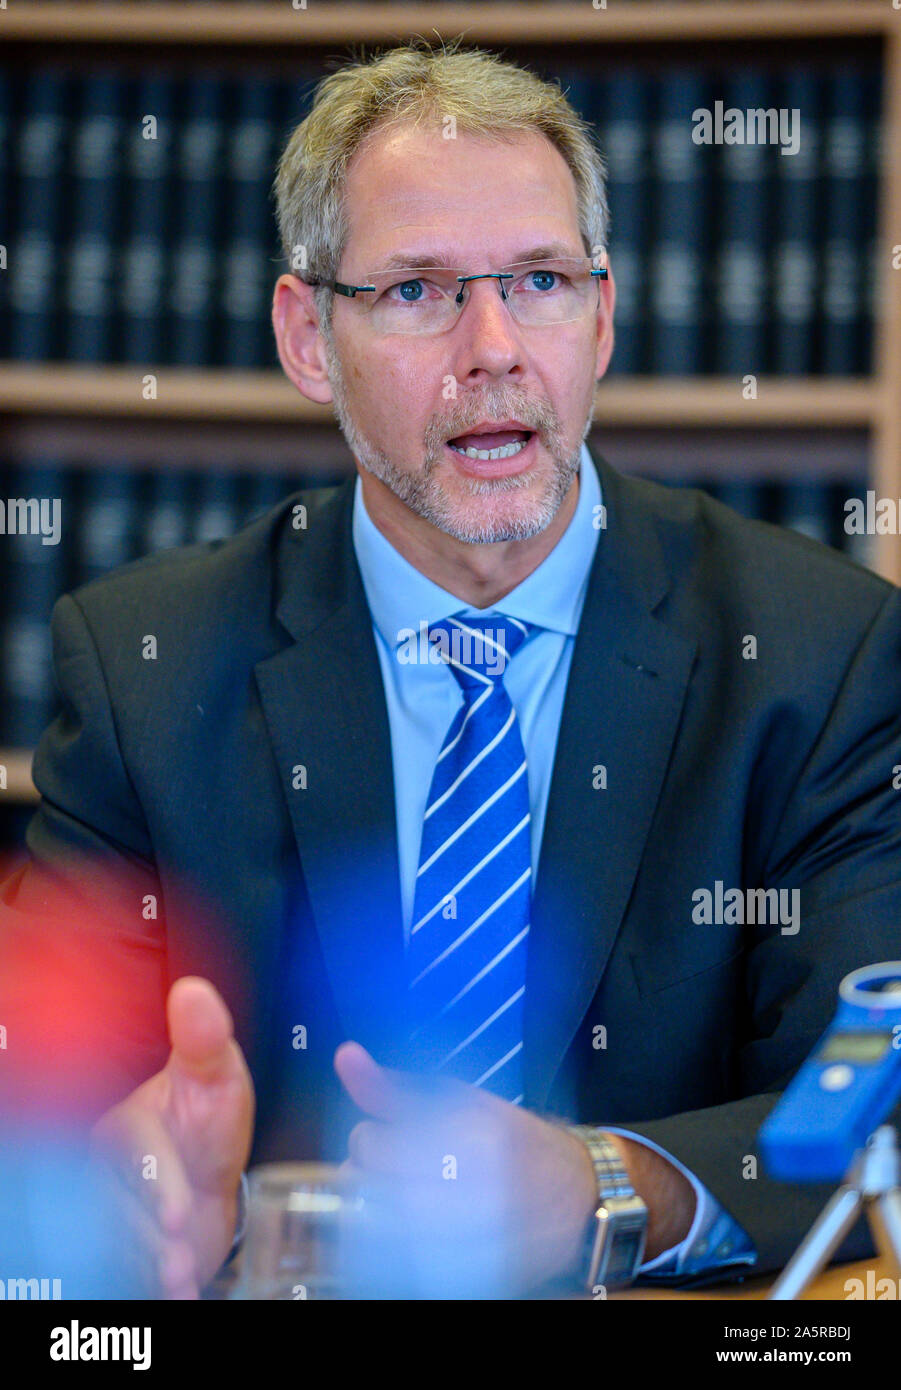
(478, 649)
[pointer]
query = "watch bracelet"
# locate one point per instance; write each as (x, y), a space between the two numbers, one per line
(621, 1256)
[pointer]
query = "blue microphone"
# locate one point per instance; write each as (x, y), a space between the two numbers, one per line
(847, 1086)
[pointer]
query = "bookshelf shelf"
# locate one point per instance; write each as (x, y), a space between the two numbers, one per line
(20, 790)
(268, 23)
(709, 402)
(267, 396)
(182, 393)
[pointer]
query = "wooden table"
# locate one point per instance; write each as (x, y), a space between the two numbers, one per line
(829, 1285)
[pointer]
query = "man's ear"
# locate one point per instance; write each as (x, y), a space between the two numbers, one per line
(605, 322)
(301, 349)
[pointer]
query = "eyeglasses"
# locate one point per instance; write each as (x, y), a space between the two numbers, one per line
(429, 299)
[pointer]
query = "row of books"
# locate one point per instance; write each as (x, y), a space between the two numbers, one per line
(89, 521)
(137, 220)
(84, 522)
(735, 252)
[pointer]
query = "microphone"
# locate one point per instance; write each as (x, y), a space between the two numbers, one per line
(847, 1086)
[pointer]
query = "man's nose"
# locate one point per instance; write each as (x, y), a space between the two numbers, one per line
(488, 326)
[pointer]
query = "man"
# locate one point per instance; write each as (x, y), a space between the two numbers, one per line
(493, 666)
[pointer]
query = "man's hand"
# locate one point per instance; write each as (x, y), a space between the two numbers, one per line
(492, 1199)
(177, 1145)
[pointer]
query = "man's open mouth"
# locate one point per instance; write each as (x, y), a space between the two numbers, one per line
(501, 444)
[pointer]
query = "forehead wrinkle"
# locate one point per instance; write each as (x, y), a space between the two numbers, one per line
(547, 250)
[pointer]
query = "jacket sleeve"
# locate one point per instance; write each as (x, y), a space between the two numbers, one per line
(82, 934)
(838, 842)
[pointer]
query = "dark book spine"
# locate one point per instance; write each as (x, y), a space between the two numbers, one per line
(794, 248)
(91, 256)
(251, 244)
(218, 512)
(167, 510)
(36, 529)
(742, 495)
(580, 93)
(6, 205)
(804, 506)
(623, 115)
(193, 289)
(678, 271)
(263, 490)
(859, 546)
(846, 232)
(872, 258)
(743, 226)
(148, 166)
(39, 161)
(295, 99)
(107, 516)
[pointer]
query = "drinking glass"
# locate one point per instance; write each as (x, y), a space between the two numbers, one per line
(300, 1225)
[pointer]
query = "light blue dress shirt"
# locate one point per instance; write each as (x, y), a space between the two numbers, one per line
(422, 699)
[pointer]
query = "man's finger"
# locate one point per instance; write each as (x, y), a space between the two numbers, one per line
(160, 1263)
(200, 1030)
(134, 1143)
(398, 1150)
(384, 1094)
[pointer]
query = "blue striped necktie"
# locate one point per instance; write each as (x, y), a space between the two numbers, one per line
(468, 939)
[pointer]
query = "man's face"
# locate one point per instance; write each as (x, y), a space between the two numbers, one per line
(400, 398)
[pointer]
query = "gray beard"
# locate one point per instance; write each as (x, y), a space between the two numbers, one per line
(422, 492)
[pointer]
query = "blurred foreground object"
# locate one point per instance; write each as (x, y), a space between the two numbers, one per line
(300, 1222)
(61, 1233)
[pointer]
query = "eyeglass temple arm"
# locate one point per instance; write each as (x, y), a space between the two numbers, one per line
(349, 290)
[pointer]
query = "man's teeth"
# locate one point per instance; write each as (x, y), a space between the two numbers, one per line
(505, 451)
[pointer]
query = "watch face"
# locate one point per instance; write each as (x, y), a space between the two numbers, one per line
(620, 1244)
(628, 1250)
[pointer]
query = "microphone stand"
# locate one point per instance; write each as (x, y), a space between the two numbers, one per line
(872, 1184)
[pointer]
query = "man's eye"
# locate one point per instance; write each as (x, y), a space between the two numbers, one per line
(543, 280)
(409, 291)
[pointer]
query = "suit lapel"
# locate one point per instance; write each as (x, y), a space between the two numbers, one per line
(325, 709)
(623, 700)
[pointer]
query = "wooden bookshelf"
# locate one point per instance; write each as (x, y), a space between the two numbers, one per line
(886, 471)
(270, 24)
(191, 399)
(183, 394)
(874, 404)
(49, 389)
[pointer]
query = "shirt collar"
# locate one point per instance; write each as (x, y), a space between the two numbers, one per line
(400, 597)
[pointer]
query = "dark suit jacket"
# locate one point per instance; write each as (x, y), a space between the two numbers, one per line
(237, 782)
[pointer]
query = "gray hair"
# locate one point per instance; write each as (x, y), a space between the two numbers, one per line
(485, 95)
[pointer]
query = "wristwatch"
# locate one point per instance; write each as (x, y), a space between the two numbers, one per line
(615, 1238)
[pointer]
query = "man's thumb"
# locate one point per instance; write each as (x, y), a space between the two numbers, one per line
(200, 1029)
(384, 1094)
